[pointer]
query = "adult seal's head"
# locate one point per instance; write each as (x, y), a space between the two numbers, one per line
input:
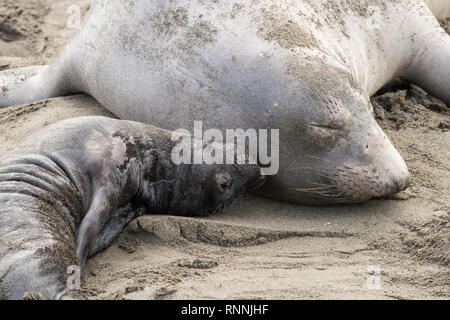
(344, 156)
(69, 190)
(307, 68)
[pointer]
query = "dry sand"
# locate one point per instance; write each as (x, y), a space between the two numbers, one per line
(261, 248)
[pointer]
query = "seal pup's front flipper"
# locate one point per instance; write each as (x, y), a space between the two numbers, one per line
(101, 210)
(114, 227)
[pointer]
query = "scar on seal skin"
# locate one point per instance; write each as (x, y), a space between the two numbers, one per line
(69, 190)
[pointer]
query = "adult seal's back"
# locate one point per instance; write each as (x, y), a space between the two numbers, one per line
(70, 189)
(307, 68)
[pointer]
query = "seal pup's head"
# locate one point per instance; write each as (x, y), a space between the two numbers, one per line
(209, 185)
(203, 189)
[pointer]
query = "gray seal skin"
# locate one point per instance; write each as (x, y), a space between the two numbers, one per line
(305, 67)
(69, 190)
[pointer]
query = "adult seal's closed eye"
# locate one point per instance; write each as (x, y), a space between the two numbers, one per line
(307, 68)
(69, 190)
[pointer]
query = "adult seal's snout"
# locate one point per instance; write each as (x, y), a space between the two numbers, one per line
(401, 181)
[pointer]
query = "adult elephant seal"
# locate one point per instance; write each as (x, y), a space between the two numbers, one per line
(70, 189)
(306, 67)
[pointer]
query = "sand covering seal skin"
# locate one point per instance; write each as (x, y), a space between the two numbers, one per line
(272, 250)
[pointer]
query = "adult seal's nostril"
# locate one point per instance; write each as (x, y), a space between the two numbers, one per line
(400, 181)
(403, 182)
(397, 185)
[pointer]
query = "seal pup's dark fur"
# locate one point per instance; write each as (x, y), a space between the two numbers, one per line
(69, 190)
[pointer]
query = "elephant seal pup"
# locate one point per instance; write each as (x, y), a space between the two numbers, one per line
(71, 188)
(305, 67)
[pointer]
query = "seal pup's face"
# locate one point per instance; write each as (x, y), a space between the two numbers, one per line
(204, 189)
(343, 156)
